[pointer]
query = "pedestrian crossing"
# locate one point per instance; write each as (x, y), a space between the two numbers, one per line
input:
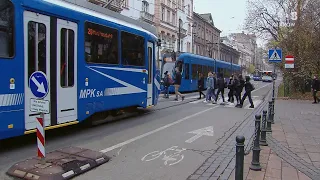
(255, 99)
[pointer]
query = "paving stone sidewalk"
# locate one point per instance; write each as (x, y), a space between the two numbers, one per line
(295, 144)
(273, 168)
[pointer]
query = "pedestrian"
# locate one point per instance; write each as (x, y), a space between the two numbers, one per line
(166, 84)
(315, 88)
(221, 84)
(231, 89)
(177, 84)
(248, 86)
(214, 94)
(239, 88)
(201, 85)
(209, 87)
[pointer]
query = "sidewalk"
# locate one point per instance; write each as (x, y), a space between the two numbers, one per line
(293, 150)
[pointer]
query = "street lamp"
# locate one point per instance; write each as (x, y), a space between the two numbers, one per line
(215, 61)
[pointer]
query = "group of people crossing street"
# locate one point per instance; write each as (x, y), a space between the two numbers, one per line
(216, 85)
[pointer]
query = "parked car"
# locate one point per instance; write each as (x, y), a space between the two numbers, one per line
(266, 79)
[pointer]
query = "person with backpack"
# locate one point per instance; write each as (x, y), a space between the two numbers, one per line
(210, 87)
(315, 88)
(201, 85)
(239, 84)
(166, 85)
(221, 84)
(248, 86)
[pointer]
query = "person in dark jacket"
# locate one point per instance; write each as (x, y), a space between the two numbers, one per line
(166, 84)
(315, 87)
(248, 88)
(201, 85)
(231, 87)
(239, 84)
(221, 85)
(177, 83)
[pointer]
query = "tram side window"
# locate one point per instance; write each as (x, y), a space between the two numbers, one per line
(186, 71)
(194, 71)
(101, 44)
(37, 49)
(67, 58)
(132, 47)
(6, 29)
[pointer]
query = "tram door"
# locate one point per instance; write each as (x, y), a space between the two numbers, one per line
(50, 46)
(36, 58)
(150, 74)
(66, 71)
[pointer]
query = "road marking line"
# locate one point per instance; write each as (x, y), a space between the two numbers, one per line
(154, 131)
(255, 103)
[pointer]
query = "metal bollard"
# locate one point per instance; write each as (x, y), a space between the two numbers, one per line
(239, 157)
(255, 163)
(263, 140)
(269, 117)
(272, 115)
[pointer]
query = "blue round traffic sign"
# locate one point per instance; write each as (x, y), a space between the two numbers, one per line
(38, 84)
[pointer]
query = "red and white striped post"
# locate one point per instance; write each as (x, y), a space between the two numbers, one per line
(41, 138)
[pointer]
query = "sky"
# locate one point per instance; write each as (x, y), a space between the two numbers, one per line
(228, 15)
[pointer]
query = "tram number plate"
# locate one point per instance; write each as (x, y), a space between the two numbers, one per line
(41, 106)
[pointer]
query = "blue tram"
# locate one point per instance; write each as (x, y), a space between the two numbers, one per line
(191, 65)
(95, 60)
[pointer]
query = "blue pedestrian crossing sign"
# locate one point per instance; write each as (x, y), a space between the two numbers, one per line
(38, 84)
(275, 55)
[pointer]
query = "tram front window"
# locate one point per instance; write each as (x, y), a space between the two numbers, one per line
(6, 29)
(169, 66)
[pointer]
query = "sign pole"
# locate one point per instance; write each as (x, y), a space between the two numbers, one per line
(274, 72)
(39, 87)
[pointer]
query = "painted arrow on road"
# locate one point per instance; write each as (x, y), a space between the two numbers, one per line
(207, 131)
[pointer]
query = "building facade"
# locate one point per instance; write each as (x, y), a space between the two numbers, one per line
(169, 14)
(247, 46)
(206, 36)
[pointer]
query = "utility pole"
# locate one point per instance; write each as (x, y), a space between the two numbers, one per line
(179, 40)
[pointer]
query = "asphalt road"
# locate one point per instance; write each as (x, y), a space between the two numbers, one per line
(137, 145)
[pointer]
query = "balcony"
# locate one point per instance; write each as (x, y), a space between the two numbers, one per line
(113, 5)
(147, 17)
(183, 32)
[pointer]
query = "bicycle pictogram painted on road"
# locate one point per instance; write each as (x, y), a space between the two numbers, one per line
(168, 158)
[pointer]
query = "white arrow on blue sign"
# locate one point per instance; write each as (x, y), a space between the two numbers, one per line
(275, 55)
(38, 84)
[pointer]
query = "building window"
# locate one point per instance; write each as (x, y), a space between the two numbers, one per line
(145, 6)
(132, 47)
(169, 3)
(163, 13)
(174, 19)
(6, 29)
(179, 4)
(101, 44)
(189, 14)
(189, 28)
(67, 47)
(168, 16)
